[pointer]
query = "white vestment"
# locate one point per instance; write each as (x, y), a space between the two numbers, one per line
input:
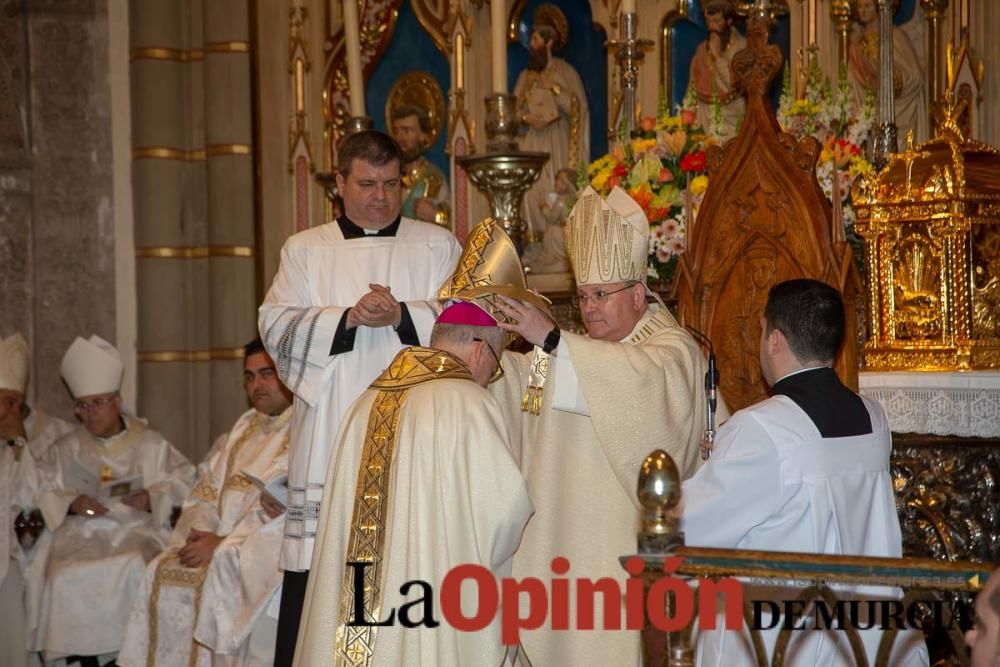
(21, 479)
(216, 605)
(775, 484)
(320, 277)
(96, 564)
(453, 495)
(43, 429)
(605, 407)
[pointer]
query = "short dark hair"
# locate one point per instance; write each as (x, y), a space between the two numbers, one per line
(376, 148)
(256, 346)
(810, 314)
(407, 110)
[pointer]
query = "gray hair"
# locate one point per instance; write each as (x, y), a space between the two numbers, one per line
(456, 338)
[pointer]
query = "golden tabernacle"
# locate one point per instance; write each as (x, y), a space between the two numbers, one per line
(931, 222)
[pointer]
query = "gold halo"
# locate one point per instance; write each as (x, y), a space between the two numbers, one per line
(550, 15)
(419, 89)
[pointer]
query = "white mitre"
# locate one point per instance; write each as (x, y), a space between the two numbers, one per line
(13, 363)
(607, 240)
(92, 367)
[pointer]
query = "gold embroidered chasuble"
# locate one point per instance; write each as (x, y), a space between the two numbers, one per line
(425, 481)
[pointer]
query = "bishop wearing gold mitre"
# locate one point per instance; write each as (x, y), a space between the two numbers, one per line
(597, 404)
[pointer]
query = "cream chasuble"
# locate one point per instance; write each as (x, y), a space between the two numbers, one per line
(21, 480)
(216, 604)
(95, 565)
(43, 429)
(605, 407)
(321, 276)
(424, 456)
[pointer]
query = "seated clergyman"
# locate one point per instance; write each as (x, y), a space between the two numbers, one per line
(115, 483)
(208, 597)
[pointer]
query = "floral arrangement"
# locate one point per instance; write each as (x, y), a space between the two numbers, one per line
(662, 167)
(839, 125)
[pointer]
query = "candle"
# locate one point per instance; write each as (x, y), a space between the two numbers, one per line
(355, 80)
(459, 61)
(965, 14)
(628, 6)
(498, 35)
(812, 22)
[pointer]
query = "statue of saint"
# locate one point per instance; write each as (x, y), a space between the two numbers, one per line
(908, 81)
(555, 207)
(720, 105)
(552, 108)
(425, 188)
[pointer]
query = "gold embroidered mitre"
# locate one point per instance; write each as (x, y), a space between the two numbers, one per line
(490, 265)
(607, 240)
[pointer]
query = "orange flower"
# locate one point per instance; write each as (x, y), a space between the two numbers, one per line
(688, 117)
(675, 141)
(647, 124)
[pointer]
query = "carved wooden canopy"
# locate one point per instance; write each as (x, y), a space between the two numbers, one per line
(764, 219)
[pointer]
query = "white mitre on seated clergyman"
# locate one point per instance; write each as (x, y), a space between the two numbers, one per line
(13, 363)
(607, 240)
(92, 367)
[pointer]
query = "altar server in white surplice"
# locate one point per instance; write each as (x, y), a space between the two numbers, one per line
(348, 296)
(450, 494)
(806, 470)
(601, 402)
(116, 482)
(21, 481)
(209, 593)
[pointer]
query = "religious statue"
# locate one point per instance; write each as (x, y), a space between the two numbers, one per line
(552, 108)
(720, 105)
(555, 207)
(908, 81)
(425, 188)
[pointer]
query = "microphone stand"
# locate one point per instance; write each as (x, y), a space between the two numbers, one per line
(711, 395)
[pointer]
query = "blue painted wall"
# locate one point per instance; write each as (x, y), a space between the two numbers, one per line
(411, 49)
(585, 51)
(688, 33)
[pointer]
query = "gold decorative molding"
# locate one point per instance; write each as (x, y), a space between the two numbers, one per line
(193, 252)
(173, 356)
(228, 47)
(165, 53)
(165, 153)
(219, 150)
(195, 155)
(188, 55)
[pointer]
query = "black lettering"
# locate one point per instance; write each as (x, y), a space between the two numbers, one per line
(793, 612)
(758, 617)
(358, 580)
(892, 615)
(426, 602)
(865, 621)
(830, 619)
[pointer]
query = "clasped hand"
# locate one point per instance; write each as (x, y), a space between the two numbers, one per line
(377, 308)
(198, 549)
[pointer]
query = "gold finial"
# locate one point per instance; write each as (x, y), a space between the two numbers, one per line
(659, 492)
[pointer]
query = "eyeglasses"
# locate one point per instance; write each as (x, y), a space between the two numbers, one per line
(498, 373)
(96, 404)
(598, 298)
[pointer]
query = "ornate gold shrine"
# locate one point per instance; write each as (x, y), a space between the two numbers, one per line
(764, 220)
(931, 222)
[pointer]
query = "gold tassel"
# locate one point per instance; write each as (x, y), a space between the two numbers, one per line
(532, 401)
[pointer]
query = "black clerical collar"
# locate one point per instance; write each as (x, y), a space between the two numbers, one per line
(836, 411)
(352, 231)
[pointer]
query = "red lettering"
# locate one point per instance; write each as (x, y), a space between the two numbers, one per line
(635, 594)
(451, 597)
(611, 593)
(560, 595)
(708, 603)
(683, 599)
(512, 622)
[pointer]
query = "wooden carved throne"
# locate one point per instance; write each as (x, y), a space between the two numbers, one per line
(764, 219)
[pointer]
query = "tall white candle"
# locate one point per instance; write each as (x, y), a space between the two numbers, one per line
(812, 22)
(498, 44)
(628, 6)
(352, 39)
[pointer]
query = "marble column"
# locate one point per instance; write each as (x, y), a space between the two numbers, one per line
(194, 213)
